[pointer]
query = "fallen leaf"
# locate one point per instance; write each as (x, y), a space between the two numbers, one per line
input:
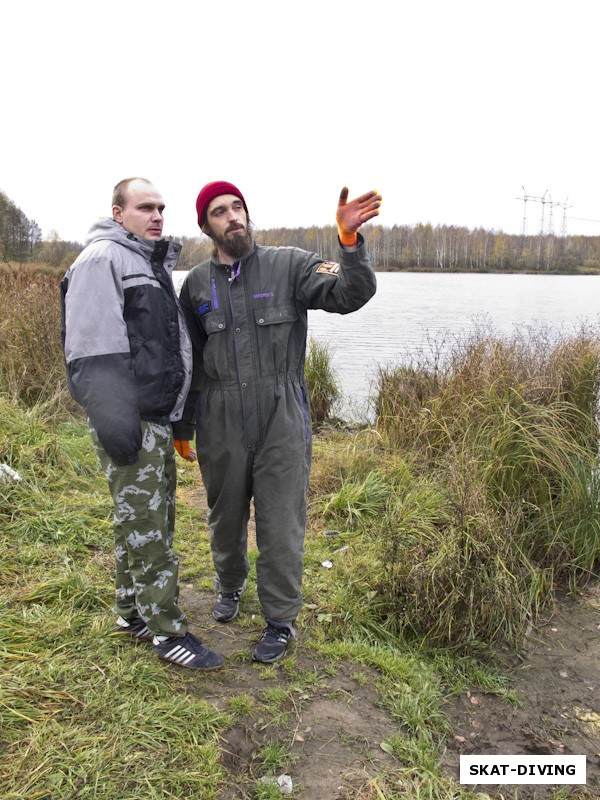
(590, 719)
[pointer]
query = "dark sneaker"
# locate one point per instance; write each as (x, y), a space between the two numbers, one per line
(187, 651)
(227, 606)
(273, 643)
(134, 626)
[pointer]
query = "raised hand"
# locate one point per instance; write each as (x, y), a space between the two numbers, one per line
(352, 214)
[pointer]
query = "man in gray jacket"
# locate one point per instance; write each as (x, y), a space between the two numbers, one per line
(246, 310)
(128, 360)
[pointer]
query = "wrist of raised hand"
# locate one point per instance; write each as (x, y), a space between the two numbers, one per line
(347, 238)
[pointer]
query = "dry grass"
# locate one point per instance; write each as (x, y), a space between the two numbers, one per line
(31, 362)
(480, 496)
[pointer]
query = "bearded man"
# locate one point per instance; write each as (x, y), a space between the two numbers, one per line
(246, 310)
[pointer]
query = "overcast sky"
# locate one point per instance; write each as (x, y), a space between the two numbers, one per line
(452, 110)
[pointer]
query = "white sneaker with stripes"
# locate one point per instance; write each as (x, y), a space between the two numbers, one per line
(187, 651)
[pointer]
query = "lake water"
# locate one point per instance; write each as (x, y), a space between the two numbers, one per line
(425, 312)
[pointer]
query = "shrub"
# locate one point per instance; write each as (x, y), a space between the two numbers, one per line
(321, 379)
(500, 503)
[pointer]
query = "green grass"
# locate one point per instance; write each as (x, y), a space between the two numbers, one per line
(81, 714)
(84, 713)
(458, 515)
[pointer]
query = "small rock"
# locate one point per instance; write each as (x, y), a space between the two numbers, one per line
(283, 782)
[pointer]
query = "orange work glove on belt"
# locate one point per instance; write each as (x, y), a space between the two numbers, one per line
(183, 447)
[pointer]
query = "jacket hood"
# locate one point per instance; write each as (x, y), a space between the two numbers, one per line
(107, 229)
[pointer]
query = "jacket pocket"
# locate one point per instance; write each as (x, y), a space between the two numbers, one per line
(271, 315)
(213, 322)
(219, 363)
(278, 338)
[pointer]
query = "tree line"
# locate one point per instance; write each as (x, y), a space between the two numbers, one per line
(431, 248)
(423, 247)
(19, 236)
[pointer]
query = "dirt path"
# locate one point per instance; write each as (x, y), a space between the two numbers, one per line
(335, 729)
(558, 685)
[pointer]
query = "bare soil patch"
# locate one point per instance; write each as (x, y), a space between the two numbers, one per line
(557, 682)
(334, 730)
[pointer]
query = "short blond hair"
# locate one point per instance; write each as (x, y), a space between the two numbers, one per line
(120, 192)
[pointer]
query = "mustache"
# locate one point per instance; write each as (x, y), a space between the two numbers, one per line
(235, 226)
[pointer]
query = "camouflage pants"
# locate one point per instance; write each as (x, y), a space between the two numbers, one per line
(144, 523)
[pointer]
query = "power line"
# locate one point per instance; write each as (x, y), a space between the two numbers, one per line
(546, 200)
(545, 239)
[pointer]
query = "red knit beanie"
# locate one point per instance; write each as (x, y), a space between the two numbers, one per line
(212, 190)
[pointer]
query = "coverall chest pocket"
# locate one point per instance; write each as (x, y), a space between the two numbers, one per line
(278, 347)
(217, 359)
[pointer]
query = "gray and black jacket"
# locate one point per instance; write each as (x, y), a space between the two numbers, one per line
(126, 346)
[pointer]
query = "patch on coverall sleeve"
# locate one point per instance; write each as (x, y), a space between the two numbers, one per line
(329, 268)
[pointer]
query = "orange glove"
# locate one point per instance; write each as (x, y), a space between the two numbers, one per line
(185, 451)
(351, 215)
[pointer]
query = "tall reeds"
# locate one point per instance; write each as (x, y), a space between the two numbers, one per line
(497, 504)
(322, 381)
(31, 362)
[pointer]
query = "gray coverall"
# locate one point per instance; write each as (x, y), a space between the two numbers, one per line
(250, 405)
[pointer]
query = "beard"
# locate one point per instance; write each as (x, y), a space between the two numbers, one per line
(234, 243)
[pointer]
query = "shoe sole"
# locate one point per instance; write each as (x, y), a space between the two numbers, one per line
(187, 666)
(267, 660)
(271, 660)
(229, 619)
(180, 657)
